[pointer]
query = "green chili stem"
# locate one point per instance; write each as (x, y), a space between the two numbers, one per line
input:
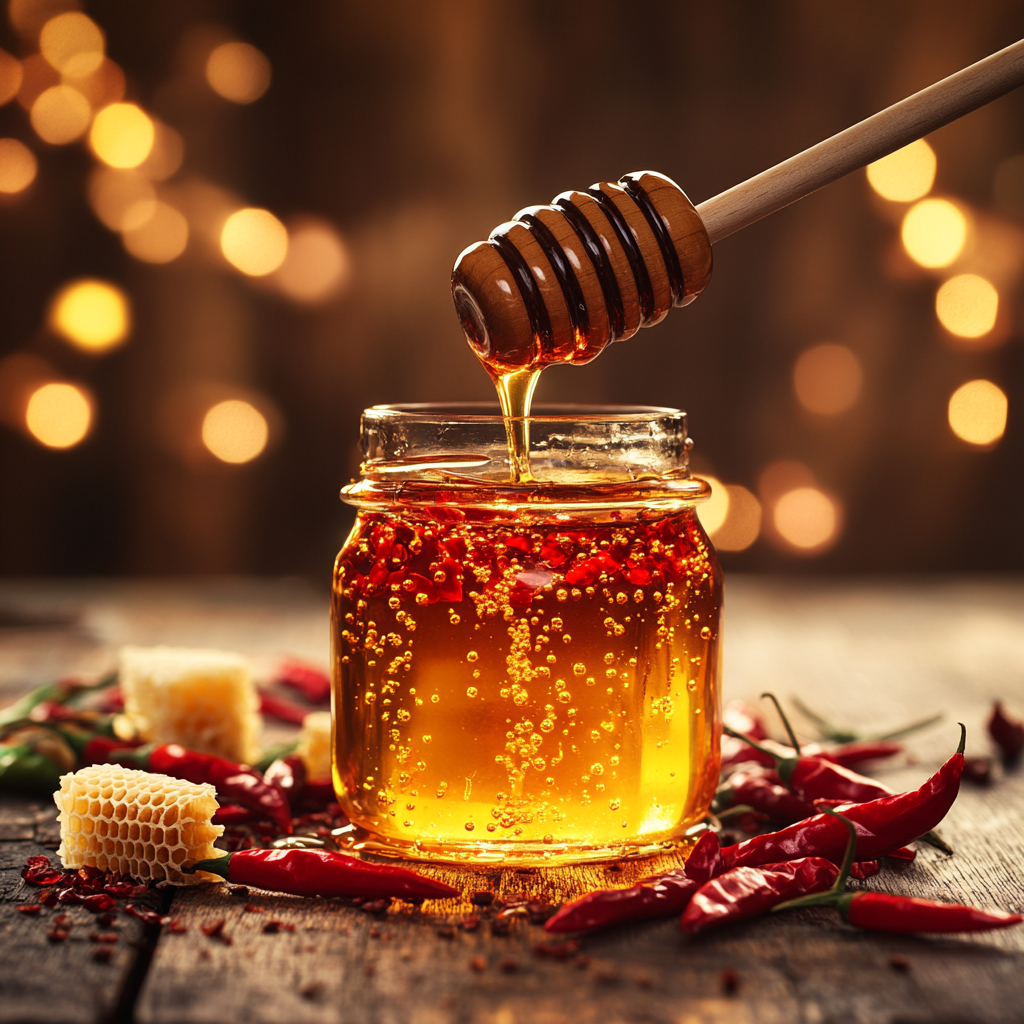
(785, 721)
(897, 734)
(830, 897)
(215, 865)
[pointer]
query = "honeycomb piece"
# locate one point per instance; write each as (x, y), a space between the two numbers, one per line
(136, 823)
(315, 744)
(204, 700)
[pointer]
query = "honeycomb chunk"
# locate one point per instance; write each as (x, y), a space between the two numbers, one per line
(204, 700)
(136, 823)
(315, 744)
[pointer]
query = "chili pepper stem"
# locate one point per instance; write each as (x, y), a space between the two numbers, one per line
(729, 731)
(735, 812)
(827, 730)
(898, 734)
(934, 839)
(830, 897)
(785, 721)
(215, 865)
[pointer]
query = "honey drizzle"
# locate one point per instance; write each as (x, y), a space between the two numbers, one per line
(515, 393)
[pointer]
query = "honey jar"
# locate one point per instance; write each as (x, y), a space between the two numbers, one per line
(528, 672)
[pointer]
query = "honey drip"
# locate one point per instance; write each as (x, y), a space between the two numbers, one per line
(515, 393)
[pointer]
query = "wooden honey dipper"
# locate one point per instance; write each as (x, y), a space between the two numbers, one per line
(557, 283)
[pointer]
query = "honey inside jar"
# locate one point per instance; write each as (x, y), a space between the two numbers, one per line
(525, 672)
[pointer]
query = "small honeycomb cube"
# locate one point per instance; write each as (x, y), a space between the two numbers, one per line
(315, 745)
(136, 823)
(204, 700)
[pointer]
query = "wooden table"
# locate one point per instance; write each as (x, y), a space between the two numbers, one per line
(867, 653)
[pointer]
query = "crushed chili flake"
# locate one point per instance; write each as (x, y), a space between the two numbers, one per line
(106, 920)
(471, 923)
(238, 890)
(109, 938)
(30, 908)
(119, 890)
(214, 928)
(61, 921)
(376, 906)
(314, 991)
(899, 963)
(557, 950)
(478, 964)
(42, 875)
(273, 927)
(103, 954)
(56, 934)
(509, 966)
(177, 926)
(374, 933)
(48, 898)
(145, 915)
(98, 903)
(729, 981)
(978, 770)
(69, 896)
(539, 912)
(481, 899)
(251, 908)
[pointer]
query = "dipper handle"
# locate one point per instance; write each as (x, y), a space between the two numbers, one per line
(864, 142)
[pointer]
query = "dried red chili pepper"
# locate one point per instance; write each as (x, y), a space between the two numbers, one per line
(661, 896)
(39, 871)
(760, 789)
(884, 912)
(849, 755)
(978, 770)
(99, 748)
(281, 709)
(746, 892)
(234, 782)
(313, 684)
(308, 872)
(883, 825)
(289, 775)
(862, 869)
(235, 814)
(1006, 732)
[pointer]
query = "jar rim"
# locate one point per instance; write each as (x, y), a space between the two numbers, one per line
(541, 412)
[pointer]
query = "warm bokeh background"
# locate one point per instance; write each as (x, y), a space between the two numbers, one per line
(369, 144)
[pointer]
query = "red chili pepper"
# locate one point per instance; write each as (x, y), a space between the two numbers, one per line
(661, 896)
(235, 814)
(234, 782)
(882, 825)
(761, 789)
(815, 778)
(1007, 732)
(851, 754)
(99, 748)
(745, 719)
(289, 775)
(281, 709)
(887, 913)
(862, 869)
(313, 684)
(904, 854)
(307, 872)
(747, 892)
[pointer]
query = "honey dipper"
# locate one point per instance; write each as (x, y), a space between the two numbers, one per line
(557, 283)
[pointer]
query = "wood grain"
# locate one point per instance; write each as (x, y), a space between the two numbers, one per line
(870, 654)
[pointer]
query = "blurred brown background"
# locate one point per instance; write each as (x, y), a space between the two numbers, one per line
(391, 136)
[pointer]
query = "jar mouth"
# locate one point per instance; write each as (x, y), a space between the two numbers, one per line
(579, 454)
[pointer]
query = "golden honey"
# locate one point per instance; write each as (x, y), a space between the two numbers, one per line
(525, 673)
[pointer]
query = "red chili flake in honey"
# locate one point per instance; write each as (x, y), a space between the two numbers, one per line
(273, 927)
(30, 908)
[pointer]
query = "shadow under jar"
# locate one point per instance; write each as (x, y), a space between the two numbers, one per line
(525, 673)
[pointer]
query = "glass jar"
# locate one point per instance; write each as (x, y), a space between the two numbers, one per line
(525, 673)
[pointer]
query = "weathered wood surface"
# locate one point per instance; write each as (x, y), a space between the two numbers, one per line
(869, 654)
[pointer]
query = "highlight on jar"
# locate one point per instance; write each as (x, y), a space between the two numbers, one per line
(525, 672)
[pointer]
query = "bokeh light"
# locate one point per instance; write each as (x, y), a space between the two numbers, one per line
(235, 431)
(934, 232)
(742, 525)
(827, 379)
(28, 16)
(712, 512)
(120, 198)
(59, 415)
(977, 412)
(317, 266)
(238, 72)
(905, 175)
(101, 87)
(167, 153)
(807, 518)
(37, 75)
(254, 241)
(779, 477)
(122, 135)
(10, 77)
(73, 43)
(93, 315)
(160, 237)
(18, 166)
(967, 305)
(21, 373)
(60, 115)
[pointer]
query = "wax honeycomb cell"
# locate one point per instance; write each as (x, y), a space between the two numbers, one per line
(204, 700)
(315, 744)
(136, 823)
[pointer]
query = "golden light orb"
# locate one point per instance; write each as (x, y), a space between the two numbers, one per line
(934, 232)
(235, 431)
(967, 305)
(11, 75)
(122, 135)
(977, 412)
(238, 72)
(827, 379)
(60, 115)
(712, 513)
(318, 265)
(254, 241)
(742, 525)
(905, 175)
(18, 166)
(161, 235)
(93, 315)
(59, 415)
(122, 200)
(806, 518)
(73, 44)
